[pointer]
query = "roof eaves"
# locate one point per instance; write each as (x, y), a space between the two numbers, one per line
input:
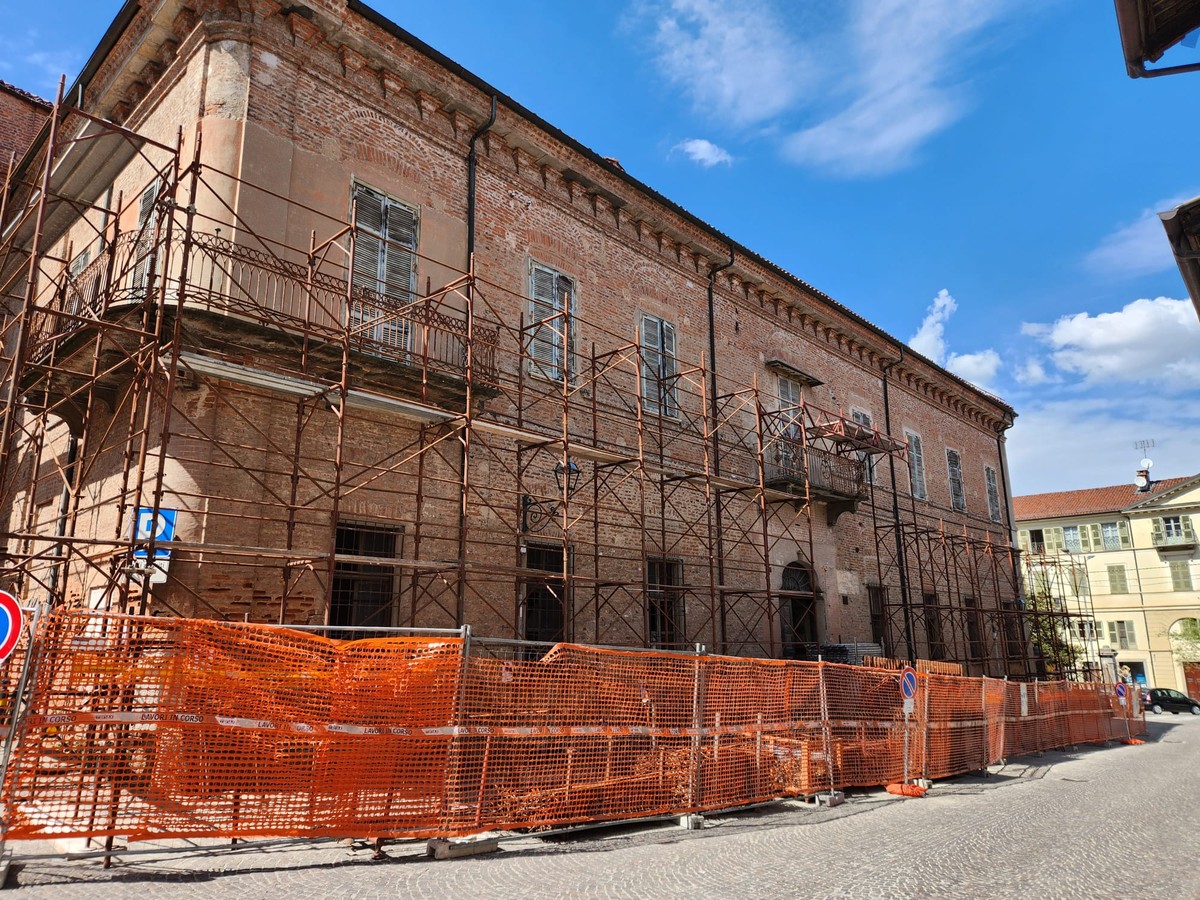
(382, 22)
(1172, 488)
(27, 96)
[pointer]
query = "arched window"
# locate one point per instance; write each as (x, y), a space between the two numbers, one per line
(798, 610)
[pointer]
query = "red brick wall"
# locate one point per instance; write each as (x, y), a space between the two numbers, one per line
(298, 113)
(20, 120)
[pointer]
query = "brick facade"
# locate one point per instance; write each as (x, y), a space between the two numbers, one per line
(303, 105)
(21, 117)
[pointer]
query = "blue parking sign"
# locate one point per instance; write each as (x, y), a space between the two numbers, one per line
(158, 527)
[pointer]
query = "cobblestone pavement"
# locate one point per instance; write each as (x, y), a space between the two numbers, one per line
(1119, 821)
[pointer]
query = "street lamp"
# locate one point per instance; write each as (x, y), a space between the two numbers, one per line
(537, 514)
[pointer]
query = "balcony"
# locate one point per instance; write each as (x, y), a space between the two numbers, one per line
(1167, 541)
(290, 316)
(792, 467)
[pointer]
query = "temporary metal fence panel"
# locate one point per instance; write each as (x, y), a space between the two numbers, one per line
(156, 727)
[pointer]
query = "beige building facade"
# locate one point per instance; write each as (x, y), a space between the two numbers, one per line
(1122, 562)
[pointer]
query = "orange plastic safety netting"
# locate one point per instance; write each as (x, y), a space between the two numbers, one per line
(153, 727)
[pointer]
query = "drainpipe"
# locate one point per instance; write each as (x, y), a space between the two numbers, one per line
(64, 507)
(460, 601)
(901, 561)
(1000, 454)
(472, 162)
(716, 444)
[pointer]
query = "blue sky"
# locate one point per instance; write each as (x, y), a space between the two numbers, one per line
(977, 177)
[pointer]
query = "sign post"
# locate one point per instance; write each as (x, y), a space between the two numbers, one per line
(908, 689)
(1122, 691)
(159, 528)
(11, 620)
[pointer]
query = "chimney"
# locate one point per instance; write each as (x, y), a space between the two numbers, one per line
(1143, 480)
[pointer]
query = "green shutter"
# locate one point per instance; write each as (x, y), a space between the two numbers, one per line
(1188, 533)
(1093, 539)
(1023, 539)
(1123, 529)
(1156, 532)
(1054, 540)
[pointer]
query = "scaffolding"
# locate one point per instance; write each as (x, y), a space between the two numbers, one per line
(204, 415)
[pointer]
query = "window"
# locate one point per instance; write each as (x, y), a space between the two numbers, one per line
(975, 646)
(551, 316)
(143, 249)
(658, 367)
(78, 293)
(1181, 575)
(933, 626)
(876, 599)
(1111, 535)
(1071, 538)
(664, 603)
(1085, 629)
(1172, 531)
(1117, 582)
(384, 277)
(789, 404)
(1120, 635)
(993, 493)
(545, 595)
(867, 459)
(958, 498)
(363, 590)
(797, 608)
(916, 464)
(1013, 640)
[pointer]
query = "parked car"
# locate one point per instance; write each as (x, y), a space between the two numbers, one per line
(1159, 699)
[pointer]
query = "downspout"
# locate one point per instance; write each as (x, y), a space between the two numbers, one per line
(901, 561)
(472, 162)
(460, 599)
(716, 443)
(64, 507)
(1016, 570)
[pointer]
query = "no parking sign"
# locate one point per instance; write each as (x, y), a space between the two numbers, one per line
(11, 619)
(908, 687)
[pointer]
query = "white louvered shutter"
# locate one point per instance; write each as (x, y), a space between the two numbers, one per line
(550, 293)
(651, 363)
(144, 236)
(669, 405)
(916, 465)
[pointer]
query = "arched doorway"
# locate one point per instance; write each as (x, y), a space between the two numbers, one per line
(1185, 650)
(798, 610)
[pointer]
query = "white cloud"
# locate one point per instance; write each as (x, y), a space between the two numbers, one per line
(907, 70)
(890, 73)
(706, 153)
(930, 339)
(28, 53)
(978, 368)
(735, 59)
(1137, 248)
(1031, 373)
(1083, 442)
(1146, 341)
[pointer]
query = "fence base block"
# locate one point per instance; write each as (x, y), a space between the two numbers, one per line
(831, 798)
(691, 822)
(925, 782)
(442, 848)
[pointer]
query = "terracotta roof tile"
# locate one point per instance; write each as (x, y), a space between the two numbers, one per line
(24, 95)
(1087, 502)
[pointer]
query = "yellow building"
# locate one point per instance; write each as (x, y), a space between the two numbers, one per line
(1121, 564)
